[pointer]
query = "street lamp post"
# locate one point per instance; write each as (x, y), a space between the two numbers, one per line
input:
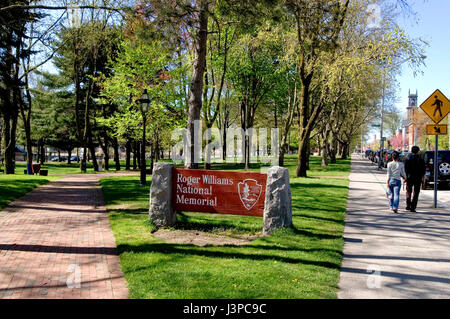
(380, 161)
(144, 103)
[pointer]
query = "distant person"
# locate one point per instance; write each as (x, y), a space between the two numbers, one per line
(379, 159)
(415, 170)
(396, 171)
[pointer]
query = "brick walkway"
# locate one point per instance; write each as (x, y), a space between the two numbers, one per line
(56, 242)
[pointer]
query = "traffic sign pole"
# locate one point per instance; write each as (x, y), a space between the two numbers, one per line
(437, 106)
(436, 171)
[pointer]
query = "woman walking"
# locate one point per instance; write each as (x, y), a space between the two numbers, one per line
(396, 171)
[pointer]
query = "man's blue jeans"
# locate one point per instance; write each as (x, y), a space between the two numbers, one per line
(395, 185)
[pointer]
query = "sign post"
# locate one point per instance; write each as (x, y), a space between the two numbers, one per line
(437, 106)
(436, 171)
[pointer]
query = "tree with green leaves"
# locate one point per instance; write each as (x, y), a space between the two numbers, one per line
(254, 73)
(143, 63)
(84, 54)
(14, 22)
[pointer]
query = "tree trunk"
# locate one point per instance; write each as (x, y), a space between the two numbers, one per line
(152, 160)
(137, 149)
(207, 155)
(302, 159)
(105, 149)
(196, 88)
(324, 150)
(333, 150)
(116, 153)
(224, 143)
(247, 152)
(128, 155)
(70, 155)
(42, 159)
(107, 159)
(29, 148)
(345, 151)
(25, 111)
(324, 156)
(283, 151)
(38, 150)
(302, 162)
(83, 162)
(308, 152)
(9, 140)
(134, 156)
(92, 151)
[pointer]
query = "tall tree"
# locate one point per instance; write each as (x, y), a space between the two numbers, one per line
(13, 33)
(318, 25)
(254, 72)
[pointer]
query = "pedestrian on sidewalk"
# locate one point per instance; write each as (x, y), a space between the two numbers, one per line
(379, 160)
(415, 170)
(396, 171)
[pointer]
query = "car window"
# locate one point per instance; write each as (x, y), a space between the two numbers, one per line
(443, 155)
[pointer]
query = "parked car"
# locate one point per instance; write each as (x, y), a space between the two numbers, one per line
(74, 159)
(58, 159)
(443, 168)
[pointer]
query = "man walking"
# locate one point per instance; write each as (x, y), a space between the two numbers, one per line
(415, 170)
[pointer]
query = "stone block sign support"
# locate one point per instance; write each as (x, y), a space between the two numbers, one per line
(161, 211)
(278, 202)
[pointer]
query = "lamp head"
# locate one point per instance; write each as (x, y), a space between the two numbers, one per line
(144, 101)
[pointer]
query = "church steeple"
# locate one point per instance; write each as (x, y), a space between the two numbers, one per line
(412, 100)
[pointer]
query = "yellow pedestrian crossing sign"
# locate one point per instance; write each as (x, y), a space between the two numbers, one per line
(436, 129)
(437, 106)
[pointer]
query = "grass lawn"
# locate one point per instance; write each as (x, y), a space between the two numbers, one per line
(303, 262)
(15, 186)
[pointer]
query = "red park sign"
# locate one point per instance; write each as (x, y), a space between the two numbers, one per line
(219, 192)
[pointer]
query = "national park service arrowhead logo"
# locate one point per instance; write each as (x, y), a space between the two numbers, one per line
(249, 192)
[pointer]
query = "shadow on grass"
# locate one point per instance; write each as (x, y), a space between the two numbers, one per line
(333, 220)
(234, 253)
(295, 249)
(11, 189)
(185, 222)
(295, 186)
(130, 211)
(310, 234)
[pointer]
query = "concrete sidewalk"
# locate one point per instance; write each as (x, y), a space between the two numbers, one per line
(387, 255)
(56, 242)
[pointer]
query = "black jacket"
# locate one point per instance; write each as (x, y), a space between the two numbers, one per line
(414, 167)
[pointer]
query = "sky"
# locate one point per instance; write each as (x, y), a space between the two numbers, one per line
(431, 23)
